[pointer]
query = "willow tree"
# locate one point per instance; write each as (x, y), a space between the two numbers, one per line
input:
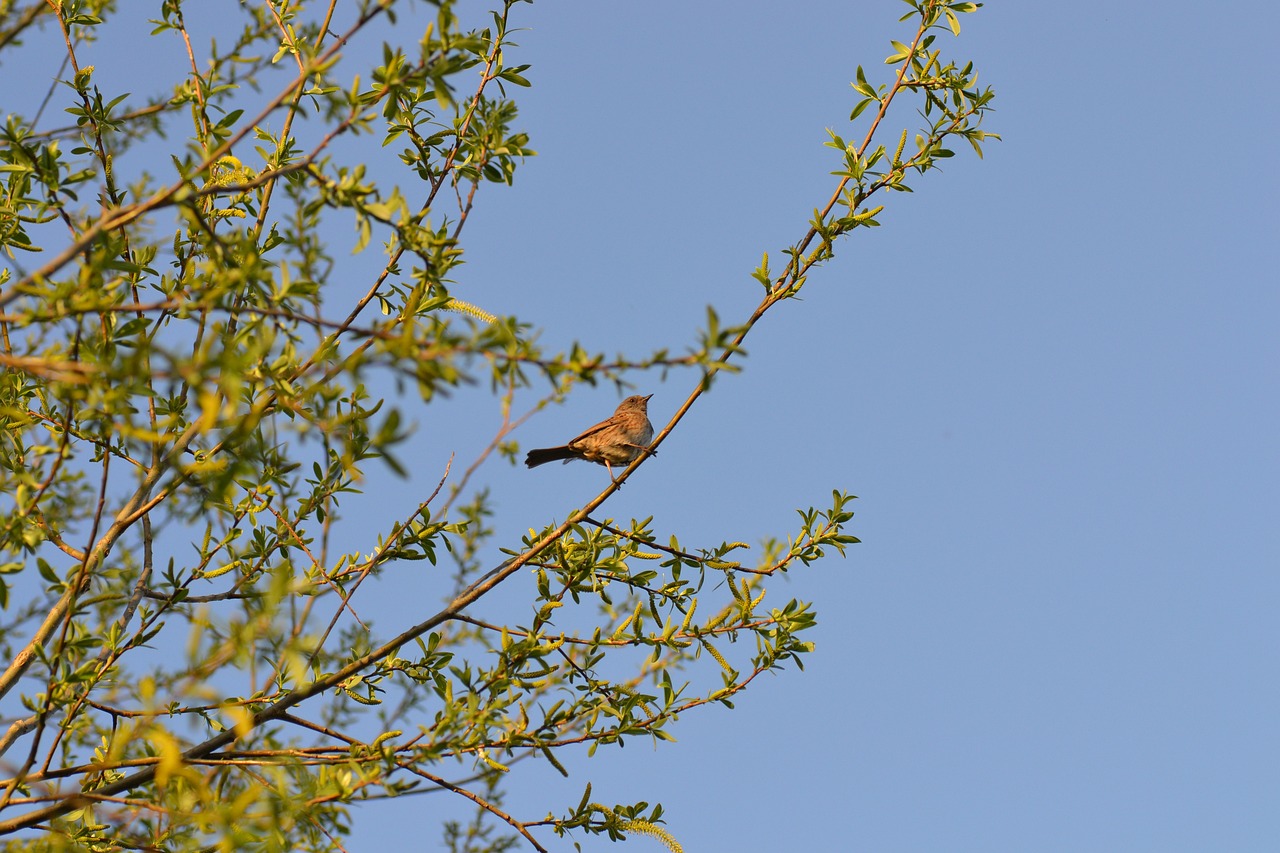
(191, 403)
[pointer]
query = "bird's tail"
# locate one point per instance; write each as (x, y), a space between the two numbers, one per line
(542, 456)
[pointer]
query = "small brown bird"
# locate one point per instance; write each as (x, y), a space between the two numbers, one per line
(617, 441)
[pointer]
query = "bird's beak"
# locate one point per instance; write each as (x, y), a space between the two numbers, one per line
(646, 399)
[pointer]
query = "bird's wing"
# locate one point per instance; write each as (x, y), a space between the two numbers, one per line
(592, 431)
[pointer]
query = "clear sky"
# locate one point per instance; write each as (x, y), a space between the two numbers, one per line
(1050, 376)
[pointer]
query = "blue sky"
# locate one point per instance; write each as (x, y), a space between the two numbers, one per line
(1050, 376)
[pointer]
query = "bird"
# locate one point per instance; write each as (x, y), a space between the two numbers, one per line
(616, 441)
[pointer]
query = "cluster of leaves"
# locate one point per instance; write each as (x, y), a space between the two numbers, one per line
(186, 406)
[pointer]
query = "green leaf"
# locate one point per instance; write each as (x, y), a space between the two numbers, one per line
(862, 86)
(861, 105)
(512, 75)
(47, 572)
(903, 53)
(953, 22)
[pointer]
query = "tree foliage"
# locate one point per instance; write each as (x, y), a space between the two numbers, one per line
(191, 398)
